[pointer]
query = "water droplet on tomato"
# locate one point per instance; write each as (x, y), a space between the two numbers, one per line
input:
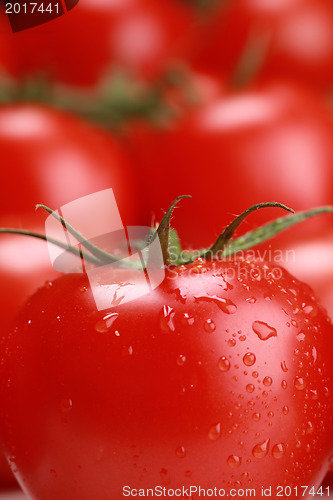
(250, 388)
(167, 315)
(214, 432)
(260, 450)
(263, 330)
(180, 451)
(267, 381)
(234, 461)
(284, 384)
(300, 336)
(242, 338)
(285, 410)
(284, 366)
(187, 320)
(278, 450)
(180, 295)
(255, 374)
(251, 300)
(66, 405)
(226, 305)
(300, 383)
(314, 394)
(231, 342)
(249, 359)
(164, 474)
(224, 364)
(181, 359)
(104, 324)
(256, 417)
(209, 326)
(270, 414)
(309, 428)
(310, 310)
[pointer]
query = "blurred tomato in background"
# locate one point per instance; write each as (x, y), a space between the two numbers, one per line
(52, 157)
(257, 125)
(268, 39)
(83, 47)
(272, 143)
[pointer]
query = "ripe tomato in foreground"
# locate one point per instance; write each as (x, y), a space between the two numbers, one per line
(24, 266)
(220, 377)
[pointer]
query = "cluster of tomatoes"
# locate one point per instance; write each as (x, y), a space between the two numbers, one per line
(211, 379)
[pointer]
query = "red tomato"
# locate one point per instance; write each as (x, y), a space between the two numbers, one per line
(24, 266)
(6, 476)
(294, 249)
(268, 144)
(285, 37)
(97, 37)
(52, 158)
(222, 380)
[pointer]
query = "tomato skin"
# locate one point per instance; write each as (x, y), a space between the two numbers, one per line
(144, 400)
(291, 39)
(7, 480)
(25, 265)
(293, 250)
(53, 158)
(238, 150)
(139, 36)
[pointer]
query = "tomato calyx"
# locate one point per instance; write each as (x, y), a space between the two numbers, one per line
(121, 98)
(173, 255)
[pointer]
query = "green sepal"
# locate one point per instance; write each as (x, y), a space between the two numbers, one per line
(226, 236)
(164, 232)
(268, 231)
